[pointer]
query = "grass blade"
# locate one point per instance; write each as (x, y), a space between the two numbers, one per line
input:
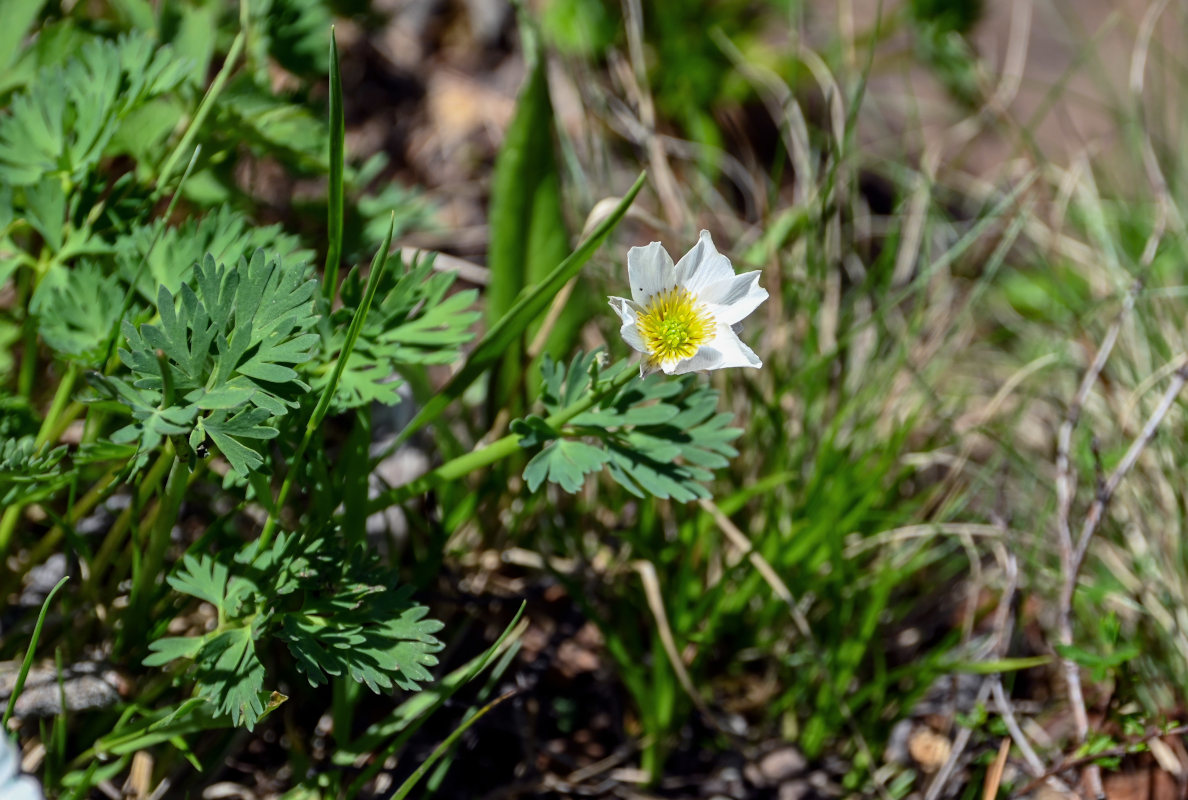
(28, 662)
(378, 265)
(528, 306)
(528, 235)
(444, 747)
(334, 203)
(412, 713)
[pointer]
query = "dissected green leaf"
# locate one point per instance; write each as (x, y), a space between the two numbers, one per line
(413, 320)
(62, 124)
(249, 114)
(203, 578)
(655, 436)
(29, 473)
(337, 610)
(225, 235)
(227, 347)
(565, 463)
(171, 648)
(238, 675)
(77, 316)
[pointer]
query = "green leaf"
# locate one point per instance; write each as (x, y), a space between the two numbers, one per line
(76, 317)
(202, 577)
(171, 648)
(655, 436)
(414, 711)
(229, 433)
(412, 321)
(18, 16)
(235, 676)
(45, 210)
(229, 346)
(528, 236)
(297, 32)
(196, 33)
(63, 123)
(527, 308)
(250, 115)
(156, 255)
(29, 473)
(358, 624)
(566, 463)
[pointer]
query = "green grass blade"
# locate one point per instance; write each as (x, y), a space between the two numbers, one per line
(445, 746)
(204, 109)
(28, 662)
(528, 235)
(412, 713)
(998, 665)
(528, 307)
(334, 204)
(378, 265)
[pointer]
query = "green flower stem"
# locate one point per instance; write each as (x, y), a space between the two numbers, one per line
(8, 524)
(144, 579)
(72, 412)
(59, 403)
(499, 449)
(378, 265)
(115, 536)
(27, 282)
(204, 109)
(47, 544)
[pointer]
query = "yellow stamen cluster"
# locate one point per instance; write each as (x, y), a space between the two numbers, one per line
(673, 326)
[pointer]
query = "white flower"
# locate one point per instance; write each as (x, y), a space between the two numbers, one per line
(683, 317)
(14, 785)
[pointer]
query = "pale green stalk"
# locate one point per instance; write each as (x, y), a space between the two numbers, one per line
(378, 265)
(499, 449)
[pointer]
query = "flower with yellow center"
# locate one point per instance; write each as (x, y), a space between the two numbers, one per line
(682, 317)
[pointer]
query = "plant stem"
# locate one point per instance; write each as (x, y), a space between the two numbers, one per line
(28, 372)
(378, 265)
(61, 399)
(499, 449)
(48, 543)
(115, 535)
(145, 578)
(204, 109)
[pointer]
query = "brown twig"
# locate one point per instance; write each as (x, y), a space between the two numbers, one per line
(1113, 752)
(1072, 555)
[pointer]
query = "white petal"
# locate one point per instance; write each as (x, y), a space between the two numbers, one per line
(629, 313)
(702, 266)
(723, 351)
(734, 352)
(706, 358)
(650, 271)
(736, 297)
(623, 307)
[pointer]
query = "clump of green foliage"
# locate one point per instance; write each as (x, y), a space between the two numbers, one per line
(161, 347)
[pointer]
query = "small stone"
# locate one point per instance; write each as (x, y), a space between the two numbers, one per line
(779, 765)
(929, 749)
(798, 789)
(41, 580)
